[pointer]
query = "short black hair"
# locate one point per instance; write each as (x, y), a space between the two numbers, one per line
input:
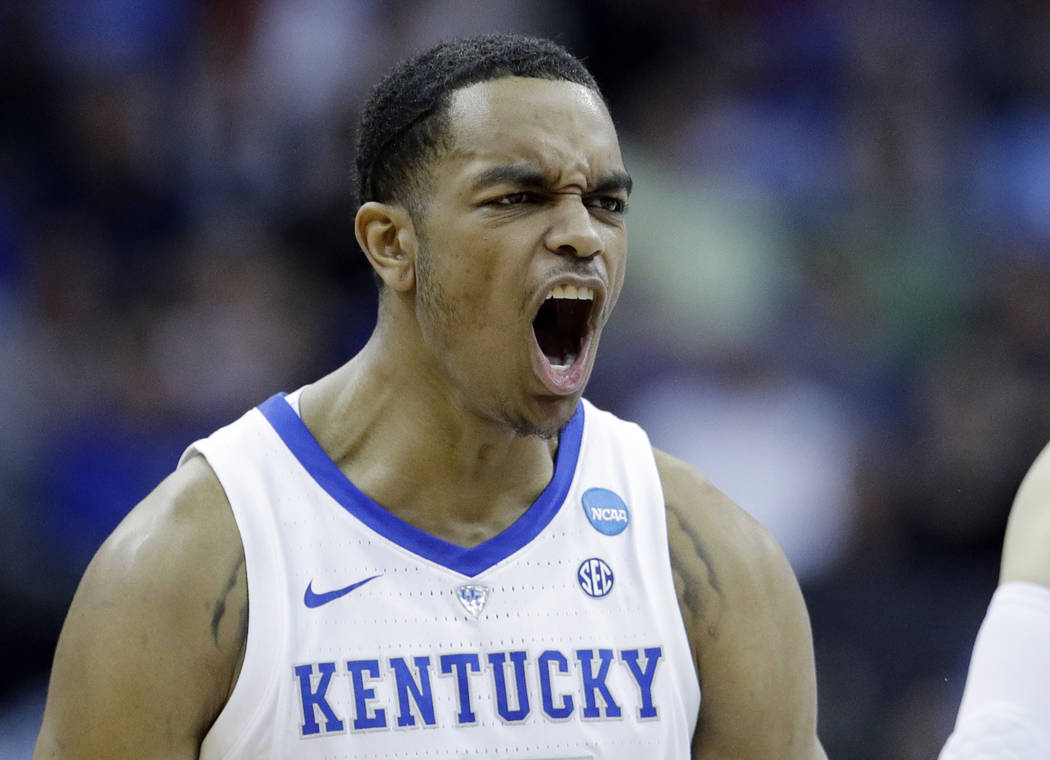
(405, 121)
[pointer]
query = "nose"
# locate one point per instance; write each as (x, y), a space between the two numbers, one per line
(573, 232)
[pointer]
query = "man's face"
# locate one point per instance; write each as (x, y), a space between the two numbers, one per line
(523, 248)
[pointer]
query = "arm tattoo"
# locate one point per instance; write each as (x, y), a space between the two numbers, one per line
(691, 564)
(219, 610)
(690, 532)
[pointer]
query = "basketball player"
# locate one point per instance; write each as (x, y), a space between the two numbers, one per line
(441, 550)
(1005, 711)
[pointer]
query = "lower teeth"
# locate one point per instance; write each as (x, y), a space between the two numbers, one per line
(568, 361)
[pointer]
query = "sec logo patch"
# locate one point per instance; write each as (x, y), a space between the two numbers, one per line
(595, 577)
(605, 510)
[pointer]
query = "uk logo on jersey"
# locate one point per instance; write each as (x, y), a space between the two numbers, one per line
(606, 511)
(595, 577)
(473, 598)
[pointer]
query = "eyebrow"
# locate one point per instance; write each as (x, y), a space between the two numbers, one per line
(530, 176)
(613, 181)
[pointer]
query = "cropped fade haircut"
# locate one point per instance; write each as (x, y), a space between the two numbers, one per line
(405, 124)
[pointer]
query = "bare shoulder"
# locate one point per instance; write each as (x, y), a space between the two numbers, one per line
(155, 631)
(1026, 550)
(746, 621)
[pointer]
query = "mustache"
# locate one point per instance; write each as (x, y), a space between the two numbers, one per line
(579, 267)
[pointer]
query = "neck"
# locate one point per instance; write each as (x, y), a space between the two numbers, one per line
(400, 437)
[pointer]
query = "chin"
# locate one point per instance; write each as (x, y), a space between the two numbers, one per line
(547, 419)
(529, 430)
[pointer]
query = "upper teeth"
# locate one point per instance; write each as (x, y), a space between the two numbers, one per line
(571, 291)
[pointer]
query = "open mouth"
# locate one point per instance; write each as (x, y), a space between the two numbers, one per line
(561, 325)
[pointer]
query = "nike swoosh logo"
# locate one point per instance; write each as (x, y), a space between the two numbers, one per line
(312, 599)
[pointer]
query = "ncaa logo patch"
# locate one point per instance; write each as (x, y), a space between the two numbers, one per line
(595, 577)
(605, 510)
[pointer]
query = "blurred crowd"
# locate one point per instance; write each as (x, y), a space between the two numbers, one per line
(838, 299)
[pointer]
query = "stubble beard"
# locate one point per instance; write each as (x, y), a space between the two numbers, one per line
(525, 428)
(438, 309)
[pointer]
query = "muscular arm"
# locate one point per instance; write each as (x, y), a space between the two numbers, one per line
(747, 625)
(152, 641)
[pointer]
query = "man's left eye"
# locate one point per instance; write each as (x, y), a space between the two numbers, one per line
(513, 199)
(609, 203)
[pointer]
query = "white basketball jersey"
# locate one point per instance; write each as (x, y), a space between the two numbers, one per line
(560, 637)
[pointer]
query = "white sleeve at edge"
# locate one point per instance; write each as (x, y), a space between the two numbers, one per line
(1005, 710)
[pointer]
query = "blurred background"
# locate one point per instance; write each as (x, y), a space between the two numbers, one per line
(838, 299)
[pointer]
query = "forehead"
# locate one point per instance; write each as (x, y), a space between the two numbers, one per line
(560, 127)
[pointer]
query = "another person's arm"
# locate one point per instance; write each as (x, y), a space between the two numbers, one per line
(1005, 710)
(1026, 550)
(152, 641)
(747, 625)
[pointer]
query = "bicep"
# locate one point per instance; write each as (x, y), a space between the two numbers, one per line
(142, 666)
(759, 686)
(114, 691)
(747, 625)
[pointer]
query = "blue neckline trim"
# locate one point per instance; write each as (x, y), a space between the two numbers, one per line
(466, 561)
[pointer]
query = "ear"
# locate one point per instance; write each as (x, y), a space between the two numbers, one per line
(387, 235)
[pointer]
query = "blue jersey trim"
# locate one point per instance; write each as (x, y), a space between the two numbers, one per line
(467, 561)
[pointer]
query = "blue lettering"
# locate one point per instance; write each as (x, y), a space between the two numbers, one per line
(362, 695)
(644, 678)
(496, 660)
(460, 663)
(315, 698)
(420, 691)
(545, 660)
(593, 683)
